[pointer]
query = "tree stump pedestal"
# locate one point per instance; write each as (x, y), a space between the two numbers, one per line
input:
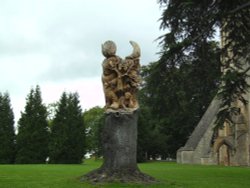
(119, 151)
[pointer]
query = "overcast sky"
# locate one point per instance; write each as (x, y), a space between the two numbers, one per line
(56, 44)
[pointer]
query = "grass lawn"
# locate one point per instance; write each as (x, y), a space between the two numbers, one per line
(169, 175)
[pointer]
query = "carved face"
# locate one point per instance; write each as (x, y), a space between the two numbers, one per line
(109, 49)
(123, 66)
(127, 95)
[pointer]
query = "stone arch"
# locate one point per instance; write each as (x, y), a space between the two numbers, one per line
(222, 141)
(224, 148)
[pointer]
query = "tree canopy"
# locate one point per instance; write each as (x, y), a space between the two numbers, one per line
(192, 22)
(93, 121)
(173, 101)
(7, 130)
(67, 131)
(33, 132)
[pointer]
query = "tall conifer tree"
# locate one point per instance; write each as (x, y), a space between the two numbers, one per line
(7, 131)
(33, 133)
(67, 131)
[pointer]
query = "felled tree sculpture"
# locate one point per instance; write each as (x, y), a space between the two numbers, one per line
(120, 78)
(119, 136)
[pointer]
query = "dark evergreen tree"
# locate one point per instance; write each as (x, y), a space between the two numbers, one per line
(175, 99)
(192, 22)
(58, 136)
(33, 132)
(67, 131)
(7, 130)
(151, 143)
(76, 128)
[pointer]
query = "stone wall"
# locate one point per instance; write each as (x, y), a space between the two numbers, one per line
(200, 140)
(230, 147)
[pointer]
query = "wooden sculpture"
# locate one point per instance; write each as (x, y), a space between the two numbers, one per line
(120, 78)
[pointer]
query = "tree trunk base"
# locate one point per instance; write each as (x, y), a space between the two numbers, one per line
(102, 175)
(119, 140)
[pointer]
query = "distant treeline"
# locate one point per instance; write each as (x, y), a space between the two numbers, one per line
(40, 137)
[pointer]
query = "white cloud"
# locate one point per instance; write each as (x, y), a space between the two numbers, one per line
(89, 89)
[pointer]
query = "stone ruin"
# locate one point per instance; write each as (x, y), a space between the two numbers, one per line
(229, 146)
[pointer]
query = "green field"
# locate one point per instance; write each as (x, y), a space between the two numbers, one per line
(169, 175)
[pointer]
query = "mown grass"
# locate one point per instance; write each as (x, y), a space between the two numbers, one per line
(168, 174)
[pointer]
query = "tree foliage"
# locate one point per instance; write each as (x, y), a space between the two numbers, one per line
(173, 101)
(7, 130)
(191, 22)
(33, 133)
(93, 121)
(151, 143)
(67, 131)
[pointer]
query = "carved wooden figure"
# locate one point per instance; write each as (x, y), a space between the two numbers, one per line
(120, 78)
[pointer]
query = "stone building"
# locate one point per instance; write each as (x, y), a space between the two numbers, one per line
(229, 146)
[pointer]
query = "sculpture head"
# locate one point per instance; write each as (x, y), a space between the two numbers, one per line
(109, 49)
